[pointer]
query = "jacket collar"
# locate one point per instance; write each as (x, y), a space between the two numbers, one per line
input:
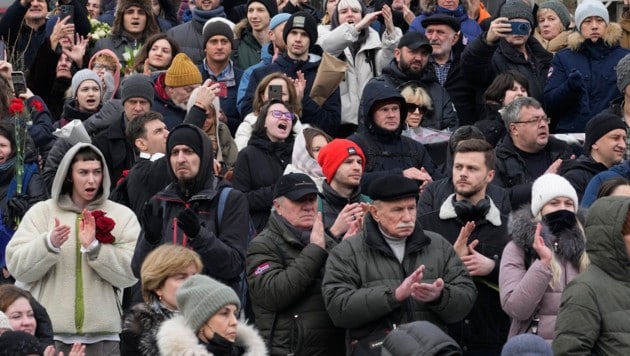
(447, 211)
(374, 238)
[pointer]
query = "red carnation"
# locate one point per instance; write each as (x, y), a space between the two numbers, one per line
(105, 238)
(16, 106)
(97, 214)
(37, 105)
(104, 226)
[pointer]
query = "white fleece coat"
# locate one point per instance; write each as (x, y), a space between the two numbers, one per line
(76, 288)
(175, 338)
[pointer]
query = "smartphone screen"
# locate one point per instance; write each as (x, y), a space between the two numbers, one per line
(19, 83)
(223, 91)
(275, 92)
(67, 10)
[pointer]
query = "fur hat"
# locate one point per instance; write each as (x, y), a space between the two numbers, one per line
(623, 73)
(393, 187)
(137, 86)
(200, 297)
(182, 72)
(590, 8)
(151, 25)
(600, 125)
(304, 21)
(334, 153)
(550, 186)
(517, 9)
(270, 5)
(560, 9)
(214, 28)
(79, 77)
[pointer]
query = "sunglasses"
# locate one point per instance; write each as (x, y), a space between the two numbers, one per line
(279, 114)
(411, 108)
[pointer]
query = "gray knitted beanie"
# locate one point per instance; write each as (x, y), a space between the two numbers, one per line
(623, 73)
(81, 76)
(200, 297)
(559, 9)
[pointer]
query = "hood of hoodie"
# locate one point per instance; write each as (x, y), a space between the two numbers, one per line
(64, 200)
(116, 75)
(376, 91)
(205, 176)
(604, 238)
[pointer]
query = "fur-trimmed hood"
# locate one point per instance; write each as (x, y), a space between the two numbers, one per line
(447, 211)
(611, 37)
(569, 245)
(176, 338)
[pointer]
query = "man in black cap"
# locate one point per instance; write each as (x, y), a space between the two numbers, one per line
(284, 270)
(410, 64)
(443, 34)
(300, 36)
(393, 272)
(186, 212)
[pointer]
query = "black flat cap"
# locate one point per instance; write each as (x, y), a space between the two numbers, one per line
(393, 188)
(442, 19)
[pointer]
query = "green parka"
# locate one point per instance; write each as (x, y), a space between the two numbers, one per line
(595, 309)
(285, 272)
(362, 274)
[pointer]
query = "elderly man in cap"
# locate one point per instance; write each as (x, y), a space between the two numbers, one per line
(393, 272)
(186, 212)
(173, 89)
(410, 63)
(285, 266)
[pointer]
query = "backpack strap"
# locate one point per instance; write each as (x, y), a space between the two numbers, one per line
(221, 206)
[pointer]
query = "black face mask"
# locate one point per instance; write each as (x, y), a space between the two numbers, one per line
(220, 345)
(560, 221)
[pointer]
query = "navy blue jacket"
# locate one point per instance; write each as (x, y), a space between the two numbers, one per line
(228, 104)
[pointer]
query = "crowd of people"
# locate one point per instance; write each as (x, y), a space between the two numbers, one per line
(207, 177)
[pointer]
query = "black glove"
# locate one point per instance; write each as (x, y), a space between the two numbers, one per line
(152, 219)
(16, 208)
(188, 221)
(576, 81)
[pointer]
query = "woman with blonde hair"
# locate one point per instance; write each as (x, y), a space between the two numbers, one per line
(162, 273)
(545, 254)
(554, 25)
(419, 105)
(262, 96)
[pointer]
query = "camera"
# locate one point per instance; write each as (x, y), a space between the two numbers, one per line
(520, 28)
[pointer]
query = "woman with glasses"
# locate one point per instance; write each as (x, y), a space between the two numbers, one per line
(419, 106)
(273, 86)
(261, 163)
(107, 66)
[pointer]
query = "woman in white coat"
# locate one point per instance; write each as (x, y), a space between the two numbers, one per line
(350, 38)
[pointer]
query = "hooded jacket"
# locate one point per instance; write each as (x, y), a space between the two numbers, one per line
(593, 317)
(386, 152)
(176, 338)
(580, 171)
(590, 194)
(570, 104)
(220, 246)
(108, 93)
(88, 283)
(249, 49)
(524, 280)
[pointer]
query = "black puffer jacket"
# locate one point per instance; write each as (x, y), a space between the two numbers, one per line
(258, 168)
(386, 152)
(580, 171)
(419, 338)
(285, 274)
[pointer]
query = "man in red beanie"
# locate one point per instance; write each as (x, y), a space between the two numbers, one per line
(342, 204)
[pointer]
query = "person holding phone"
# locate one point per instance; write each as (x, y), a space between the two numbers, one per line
(500, 49)
(582, 78)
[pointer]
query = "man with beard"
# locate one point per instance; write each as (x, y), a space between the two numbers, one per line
(300, 36)
(482, 230)
(173, 89)
(410, 64)
(186, 211)
(393, 272)
(527, 151)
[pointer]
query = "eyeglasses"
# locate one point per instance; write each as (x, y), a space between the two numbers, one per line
(99, 66)
(279, 114)
(545, 119)
(411, 108)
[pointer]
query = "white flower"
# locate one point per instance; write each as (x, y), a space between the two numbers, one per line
(101, 33)
(127, 56)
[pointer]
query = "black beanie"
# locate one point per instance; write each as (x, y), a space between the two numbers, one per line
(137, 86)
(600, 125)
(19, 343)
(270, 5)
(188, 135)
(217, 27)
(304, 21)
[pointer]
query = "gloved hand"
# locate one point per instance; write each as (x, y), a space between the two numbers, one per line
(152, 219)
(188, 221)
(576, 82)
(16, 208)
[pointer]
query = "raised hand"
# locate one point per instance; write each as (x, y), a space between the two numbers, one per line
(544, 253)
(405, 289)
(300, 84)
(461, 244)
(87, 229)
(60, 234)
(349, 214)
(499, 28)
(428, 292)
(389, 19)
(317, 233)
(476, 263)
(77, 50)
